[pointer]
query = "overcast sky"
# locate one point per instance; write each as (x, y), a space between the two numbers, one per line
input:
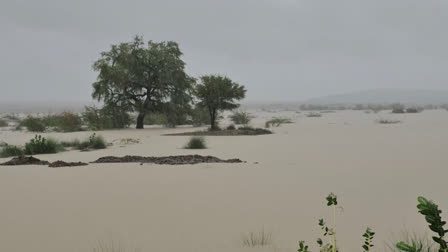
(279, 49)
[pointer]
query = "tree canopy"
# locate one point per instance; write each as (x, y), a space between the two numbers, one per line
(143, 77)
(217, 93)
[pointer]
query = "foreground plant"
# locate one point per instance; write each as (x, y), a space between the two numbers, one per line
(329, 233)
(432, 216)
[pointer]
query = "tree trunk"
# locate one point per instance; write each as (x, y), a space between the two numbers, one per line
(213, 120)
(140, 120)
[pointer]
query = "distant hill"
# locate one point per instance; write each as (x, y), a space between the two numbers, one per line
(386, 96)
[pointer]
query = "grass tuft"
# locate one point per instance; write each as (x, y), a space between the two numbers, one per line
(256, 239)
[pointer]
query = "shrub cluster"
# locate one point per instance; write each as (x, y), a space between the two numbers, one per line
(33, 124)
(94, 141)
(42, 145)
(10, 151)
(241, 117)
(196, 143)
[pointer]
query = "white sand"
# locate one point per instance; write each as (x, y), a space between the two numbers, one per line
(376, 170)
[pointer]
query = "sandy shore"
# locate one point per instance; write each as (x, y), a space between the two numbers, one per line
(376, 170)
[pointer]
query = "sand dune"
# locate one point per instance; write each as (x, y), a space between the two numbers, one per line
(376, 170)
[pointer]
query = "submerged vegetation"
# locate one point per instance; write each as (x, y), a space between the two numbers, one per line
(387, 121)
(256, 239)
(277, 121)
(93, 142)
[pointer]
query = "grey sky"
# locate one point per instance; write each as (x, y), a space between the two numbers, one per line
(279, 49)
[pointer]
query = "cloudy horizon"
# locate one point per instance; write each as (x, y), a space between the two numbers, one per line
(280, 50)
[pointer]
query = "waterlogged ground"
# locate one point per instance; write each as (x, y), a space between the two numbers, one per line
(376, 170)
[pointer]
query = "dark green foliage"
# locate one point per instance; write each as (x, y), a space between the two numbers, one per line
(241, 117)
(368, 237)
(3, 123)
(302, 247)
(276, 121)
(41, 145)
(332, 200)
(33, 124)
(10, 151)
(217, 93)
(196, 143)
(142, 77)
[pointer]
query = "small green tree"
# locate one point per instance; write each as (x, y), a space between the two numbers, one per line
(217, 93)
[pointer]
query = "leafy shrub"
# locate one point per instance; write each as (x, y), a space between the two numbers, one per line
(3, 123)
(231, 127)
(196, 143)
(41, 145)
(33, 124)
(93, 142)
(276, 121)
(241, 117)
(10, 151)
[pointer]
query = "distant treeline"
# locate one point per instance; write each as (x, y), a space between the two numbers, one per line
(373, 107)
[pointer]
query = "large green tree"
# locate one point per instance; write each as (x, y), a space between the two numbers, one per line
(142, 77)
(217, 93)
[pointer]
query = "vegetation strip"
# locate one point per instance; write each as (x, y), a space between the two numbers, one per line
(238, 132)
(167, 160)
